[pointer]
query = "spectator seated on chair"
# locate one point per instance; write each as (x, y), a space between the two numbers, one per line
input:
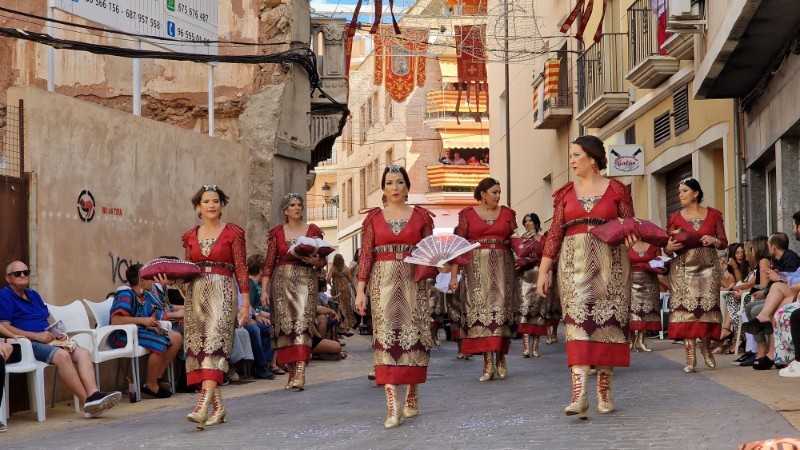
(5, 357)
(140, 304)
(25, 314)
(258, 325)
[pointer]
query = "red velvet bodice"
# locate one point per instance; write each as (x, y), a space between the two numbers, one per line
(229, 248)
(278, 248)
(376, 232)
(713, 225)
(473, 228)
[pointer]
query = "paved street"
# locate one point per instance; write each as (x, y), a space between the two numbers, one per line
(658, 407)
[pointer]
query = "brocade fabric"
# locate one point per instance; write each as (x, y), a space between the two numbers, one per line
(645, 293)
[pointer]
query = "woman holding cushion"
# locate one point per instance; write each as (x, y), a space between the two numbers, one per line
(695, 274)
(593, 277)
(293, 291)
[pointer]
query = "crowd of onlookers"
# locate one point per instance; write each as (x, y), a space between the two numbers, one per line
(455, 158)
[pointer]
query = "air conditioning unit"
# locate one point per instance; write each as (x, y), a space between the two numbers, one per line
(686, 16)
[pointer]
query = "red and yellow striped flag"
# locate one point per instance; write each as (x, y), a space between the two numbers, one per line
(551, 70)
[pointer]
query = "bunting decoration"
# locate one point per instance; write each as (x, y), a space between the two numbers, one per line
(471, 66)
(400, 60)
(586, 14)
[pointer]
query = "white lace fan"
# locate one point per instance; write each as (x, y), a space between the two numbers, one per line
(437, 250)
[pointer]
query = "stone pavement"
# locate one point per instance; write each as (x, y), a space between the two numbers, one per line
(658, 406)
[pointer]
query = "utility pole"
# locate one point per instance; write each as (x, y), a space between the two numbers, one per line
(508, 109)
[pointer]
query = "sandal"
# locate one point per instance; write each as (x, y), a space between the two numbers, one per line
(277, 370)
(763, 363)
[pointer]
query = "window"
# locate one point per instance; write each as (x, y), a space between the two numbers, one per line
(680, 110)
(362, 124)
(362, 188)
(390, 156)
(388, 108)
(630, 135)
(349, 197)
(673, 179)
(348, 138)
(375, 105)
(343, 198)
(661, 131)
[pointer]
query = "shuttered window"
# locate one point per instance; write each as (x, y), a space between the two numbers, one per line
(673, 179)
(661, 132)
(680, 110)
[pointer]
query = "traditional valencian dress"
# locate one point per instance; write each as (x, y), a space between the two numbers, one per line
(695, 278)
(593, 277)
(489, 307)
(211, 305)
(293, 297)
(532, 308)
(645, 300)
(400, 311)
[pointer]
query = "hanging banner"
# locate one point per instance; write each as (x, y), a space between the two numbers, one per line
(471, 66)
(400, 60)
(552, 67)
(586, 13)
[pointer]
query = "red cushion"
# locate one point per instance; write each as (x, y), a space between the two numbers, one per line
(174, 269)
(689, 239)
(614, 232)
(524, 247)
(528, 262)
(306, 250)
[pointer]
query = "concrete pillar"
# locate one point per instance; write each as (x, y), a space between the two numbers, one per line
(756, 195)
(787, 163)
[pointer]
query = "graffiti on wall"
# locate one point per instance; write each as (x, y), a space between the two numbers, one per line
(118, 267)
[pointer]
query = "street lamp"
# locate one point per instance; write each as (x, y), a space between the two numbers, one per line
(326, 194)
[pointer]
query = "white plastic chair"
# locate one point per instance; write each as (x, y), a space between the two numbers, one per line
(35, 371)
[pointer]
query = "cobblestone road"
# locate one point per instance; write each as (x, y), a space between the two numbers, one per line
(658, 406)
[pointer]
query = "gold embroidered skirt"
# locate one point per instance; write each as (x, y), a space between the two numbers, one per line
(343, 294)
(694, 296)
(645, 301)
(595, 287)
(400, 322)
(532, 311)
(489, 306)
(210, 319)
(293, 296)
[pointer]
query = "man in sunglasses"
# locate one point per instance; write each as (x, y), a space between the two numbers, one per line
(24, 313)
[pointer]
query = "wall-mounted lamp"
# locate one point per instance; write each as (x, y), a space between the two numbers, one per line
(326, 194)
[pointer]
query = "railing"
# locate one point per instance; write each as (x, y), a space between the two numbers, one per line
(600, 70)
(642, 32)
(563, 100)
(323, 212)
(12, 148)
(442, 104)
(455, 178)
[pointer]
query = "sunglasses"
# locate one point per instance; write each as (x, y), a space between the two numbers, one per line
(20, 273)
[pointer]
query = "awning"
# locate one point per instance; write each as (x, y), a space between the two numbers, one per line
(449, 71)
(465, 139)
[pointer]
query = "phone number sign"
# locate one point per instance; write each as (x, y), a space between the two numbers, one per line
(192, 20)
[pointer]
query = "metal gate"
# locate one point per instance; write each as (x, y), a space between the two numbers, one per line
(13, 189)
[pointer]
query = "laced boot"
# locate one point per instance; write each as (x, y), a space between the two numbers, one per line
(535, 351)
(605, 404)
(526, 346)
(640, 345)
(411, 407)
(691, 361)
(200, 413)
(219, 409)
(291, 375)
(502, 370)
(705, 350)
(394, 405)
(488, 367)
(300, 376)
(579, 403)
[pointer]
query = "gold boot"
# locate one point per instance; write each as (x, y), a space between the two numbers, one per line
(290, 373)
(640, 345)
(435, 337)
(488, 367)
(535, 352)
(691, 361)
(579, 403)
(300, 376)
(411, 407)
(200, 413)
(219, 409)
(394, 405)
(705, 350)
(604, 403)
(526, 346)
(502, 370)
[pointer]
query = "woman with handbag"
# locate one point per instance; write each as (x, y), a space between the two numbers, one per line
(532, 318)
(400, 314)
(695, 274)
(489, 277)
(645, 294)
(210, 309)
(593, 277)
(292, 295)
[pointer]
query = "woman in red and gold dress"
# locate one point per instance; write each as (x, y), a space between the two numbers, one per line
(695, 275)
(645, 300)
(220, 251)
(532, 319)
(593, 277)
(293, 291)
(489, 277)
(400, 315)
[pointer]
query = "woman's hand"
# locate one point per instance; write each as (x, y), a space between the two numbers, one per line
(673, 246)
(709, 241)
(244, 314)
(453, 285)
(631, 239)
(543, 284)
(361, 303)
(150, 322)
(732, 262)
(163, 280)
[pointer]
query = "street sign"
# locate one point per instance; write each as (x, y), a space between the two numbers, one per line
(625, 160)
(194, 20)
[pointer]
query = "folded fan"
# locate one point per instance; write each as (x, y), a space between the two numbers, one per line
(174, 269)
(437, 250)
(308, 246)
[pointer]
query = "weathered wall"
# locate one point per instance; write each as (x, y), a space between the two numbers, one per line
(145, 171)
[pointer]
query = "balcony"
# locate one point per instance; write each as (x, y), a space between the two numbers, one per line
(323, 215)
(647, 67)
(454, 184)
(440, 111)
(556, 111)
(601, 87)
(552, 91)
